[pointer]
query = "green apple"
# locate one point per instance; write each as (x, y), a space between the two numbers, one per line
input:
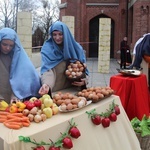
(48, 102)
(48, 112)
(46, 96)
(32, 99)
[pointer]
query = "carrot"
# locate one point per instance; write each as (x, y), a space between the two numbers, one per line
(16, 114)
(3, 120)
(4, 113)
(3, 116)
(26, 124)
(17, 119)
(12, 126)
(12, 117)
(16, 123)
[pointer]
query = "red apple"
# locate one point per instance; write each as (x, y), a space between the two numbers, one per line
(37, 103)
(30, 105)
(26, 102)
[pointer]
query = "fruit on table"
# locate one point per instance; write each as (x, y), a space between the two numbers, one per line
(32, 99)
(67, 143)
(48, 102)
(37, 103)
(30, 105)
(48, 112)
(106, 122)
(96, 119)
(43, 97)
(3, 105)
(113, 117)
(74, 132)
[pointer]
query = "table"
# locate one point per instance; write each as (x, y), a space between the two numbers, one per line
(118, 136)
(134, 94)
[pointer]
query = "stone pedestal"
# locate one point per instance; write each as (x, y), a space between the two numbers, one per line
(24, 30)
(69, 21)
(104, 45)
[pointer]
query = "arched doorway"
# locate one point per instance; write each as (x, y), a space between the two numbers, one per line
(94, 34)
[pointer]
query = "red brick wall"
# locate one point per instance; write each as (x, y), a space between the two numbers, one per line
(137, 24)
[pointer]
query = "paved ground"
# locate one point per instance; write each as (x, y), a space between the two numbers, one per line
(96, 78)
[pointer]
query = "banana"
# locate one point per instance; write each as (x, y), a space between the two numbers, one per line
(3, 105)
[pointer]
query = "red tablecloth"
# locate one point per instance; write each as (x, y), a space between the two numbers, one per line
(134, 94)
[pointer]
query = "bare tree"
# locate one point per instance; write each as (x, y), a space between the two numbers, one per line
(6, 11)
(48, 13)
(44, 12)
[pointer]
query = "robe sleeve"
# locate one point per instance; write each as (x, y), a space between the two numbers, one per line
(49, 78)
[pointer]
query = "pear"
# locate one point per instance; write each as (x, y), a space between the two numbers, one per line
(48, 102)
(48, 112)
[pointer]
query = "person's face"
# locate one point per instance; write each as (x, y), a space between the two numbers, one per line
(58, 37)
(6, 46)
(125, 38)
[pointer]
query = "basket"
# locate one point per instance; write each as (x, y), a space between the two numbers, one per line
(144, 141)
(75, 70)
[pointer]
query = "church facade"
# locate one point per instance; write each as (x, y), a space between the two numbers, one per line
(129, 18)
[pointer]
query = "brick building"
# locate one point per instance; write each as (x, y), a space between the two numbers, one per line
(129, 18)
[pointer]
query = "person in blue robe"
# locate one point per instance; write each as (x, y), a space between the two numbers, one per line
(18, 77)
(56, 51)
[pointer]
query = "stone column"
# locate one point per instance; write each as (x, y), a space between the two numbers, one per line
(69, 21)
(104, 45)
(24, 30)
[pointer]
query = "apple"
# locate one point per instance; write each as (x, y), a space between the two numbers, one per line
(13, 109)
(26, 102)
(46, 96)
(48, 102)
(32, 99)
(37, 103)
(30, 105)
(48, 112)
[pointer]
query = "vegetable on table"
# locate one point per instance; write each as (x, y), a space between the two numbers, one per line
(141, 126)
(14, 120)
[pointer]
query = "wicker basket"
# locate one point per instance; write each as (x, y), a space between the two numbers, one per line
(144, 141)
(76, 78)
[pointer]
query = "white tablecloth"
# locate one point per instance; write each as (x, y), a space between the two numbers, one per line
(118, 136)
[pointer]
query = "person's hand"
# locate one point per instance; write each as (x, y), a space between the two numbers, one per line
(44, 89)
(80, 83)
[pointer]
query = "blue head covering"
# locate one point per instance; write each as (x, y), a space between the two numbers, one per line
(143, 48)
(53, 55)
(24, 78)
